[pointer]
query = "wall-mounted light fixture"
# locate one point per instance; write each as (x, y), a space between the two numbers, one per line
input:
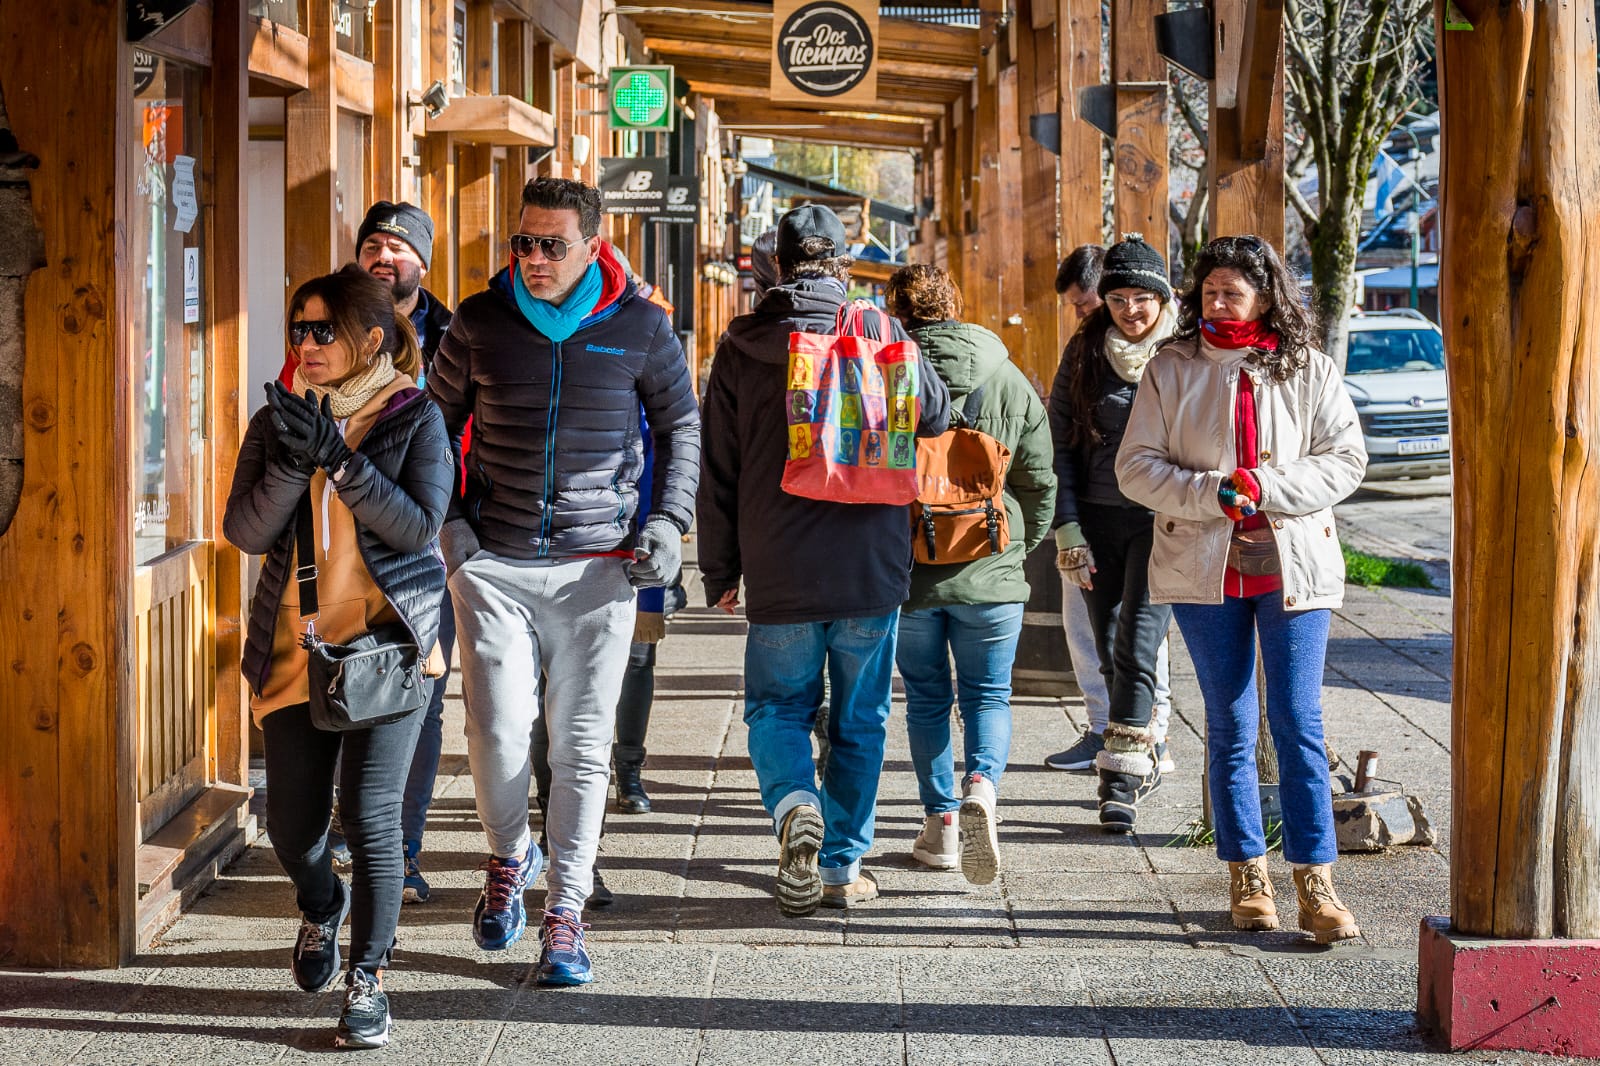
(434, 100)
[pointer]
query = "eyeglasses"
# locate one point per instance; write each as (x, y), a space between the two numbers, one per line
(322, 331)
(1124, 303)
(552, 248)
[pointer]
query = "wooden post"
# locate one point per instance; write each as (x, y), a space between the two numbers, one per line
(311, 157)
(67, 790)
(1139, 156)
(1519, 287)
(1246, 179)
(475, 207)
(1008, 236)
(439, 156)
(1078, 27)
(389, 111)
(982, 288)
(1041, 253)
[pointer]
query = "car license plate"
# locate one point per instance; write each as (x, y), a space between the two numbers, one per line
(1420, 445)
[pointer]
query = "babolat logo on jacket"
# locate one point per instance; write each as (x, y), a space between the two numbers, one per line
(603, 349)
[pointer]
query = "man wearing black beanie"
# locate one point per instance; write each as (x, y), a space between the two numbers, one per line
(395, 245)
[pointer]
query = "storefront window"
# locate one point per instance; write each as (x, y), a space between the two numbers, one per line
(350, 180)
(283, 12)
(352, 23)
(167, 331)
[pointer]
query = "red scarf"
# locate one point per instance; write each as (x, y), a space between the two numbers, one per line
(1225, 333)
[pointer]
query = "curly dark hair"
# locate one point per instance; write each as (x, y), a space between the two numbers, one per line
(1086, 368)
(922, 293)
(1263, 268)
(564, 194)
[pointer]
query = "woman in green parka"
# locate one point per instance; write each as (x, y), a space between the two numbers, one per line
(971, 611)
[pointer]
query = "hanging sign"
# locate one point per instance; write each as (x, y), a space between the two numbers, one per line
(824, 50)
(682, 206)
(633, 186)
(147, 16)
(641, 98)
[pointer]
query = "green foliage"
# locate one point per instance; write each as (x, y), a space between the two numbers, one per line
(1371, 571)
(1196, 834)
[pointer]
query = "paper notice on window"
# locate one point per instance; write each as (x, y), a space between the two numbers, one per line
(191, 285)
(183, 193)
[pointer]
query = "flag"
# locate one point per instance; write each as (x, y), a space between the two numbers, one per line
(1389, 176)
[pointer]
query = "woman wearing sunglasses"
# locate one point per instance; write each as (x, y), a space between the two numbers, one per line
(364, 442)
(1242, 438)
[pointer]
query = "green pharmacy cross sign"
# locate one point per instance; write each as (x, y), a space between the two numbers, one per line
(641, 98)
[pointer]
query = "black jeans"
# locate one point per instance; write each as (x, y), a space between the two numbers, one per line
(633, 718)
(1128, 628)
(372, 775)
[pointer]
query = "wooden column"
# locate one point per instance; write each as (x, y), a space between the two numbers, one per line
(1078, 27)
(228, 257)
(438, 155)
(67, 880)
(982, 282)
(1519, 288)
(955, 191)
(1245, 171)
(311, 156)
(475, 205)
(389, 111)
(1009, 236)
(1139, 157)
(1041, 253)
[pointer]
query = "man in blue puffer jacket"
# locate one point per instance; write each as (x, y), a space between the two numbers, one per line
(553, 364)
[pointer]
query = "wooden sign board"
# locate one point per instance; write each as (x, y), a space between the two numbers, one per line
(825, 51)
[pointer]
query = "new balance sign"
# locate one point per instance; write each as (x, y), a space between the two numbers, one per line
(682, 205)
(633, 186)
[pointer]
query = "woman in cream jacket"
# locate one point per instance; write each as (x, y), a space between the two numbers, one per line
(1241, 440)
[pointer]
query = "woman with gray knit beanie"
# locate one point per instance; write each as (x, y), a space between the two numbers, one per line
(1103, 539)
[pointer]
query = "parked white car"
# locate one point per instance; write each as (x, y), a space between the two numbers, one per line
(1395, 374)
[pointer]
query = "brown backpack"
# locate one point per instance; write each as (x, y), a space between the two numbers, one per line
(960, 511)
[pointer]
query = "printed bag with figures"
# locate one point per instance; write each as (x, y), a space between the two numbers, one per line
(852, 411)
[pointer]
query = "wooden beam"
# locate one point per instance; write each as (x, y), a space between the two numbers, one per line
(352, 78)
(1011, 230)
(503, 120)
(1078, 32)
(898, 39)
(475, 206)
(1521, 275)
(389, 119)
(705, 82)
(277, 57)
(1246, 194)
(984, 241)
(1259, 78)
(438, 152)
(669, 49)
(1036, 72)
(1139, 155)
(311, 157)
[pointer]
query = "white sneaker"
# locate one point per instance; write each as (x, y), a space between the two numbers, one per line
(939, 844)
(980, 845)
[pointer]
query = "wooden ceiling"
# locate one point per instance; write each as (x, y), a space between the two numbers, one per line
(723, 49)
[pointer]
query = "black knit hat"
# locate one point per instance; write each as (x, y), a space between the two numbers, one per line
(810, 220)
(1133, 264)
(407, 221)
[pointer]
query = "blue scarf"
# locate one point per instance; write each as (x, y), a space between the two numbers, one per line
(558, 322)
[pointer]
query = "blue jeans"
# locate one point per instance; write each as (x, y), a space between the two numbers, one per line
(1221, 639)
(983, 638)
(783, 667)
(425, 763)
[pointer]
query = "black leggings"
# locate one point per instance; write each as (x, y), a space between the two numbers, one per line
(1128, 628)
(372, 775)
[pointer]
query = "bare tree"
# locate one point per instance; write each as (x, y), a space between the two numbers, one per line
(1352, 67)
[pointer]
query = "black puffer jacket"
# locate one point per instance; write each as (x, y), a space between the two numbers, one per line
(802, 560)
(397, 487)
(1088, 475)
(556, 452)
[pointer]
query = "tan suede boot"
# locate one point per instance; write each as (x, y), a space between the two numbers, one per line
(1251, 905)
(1321, 913)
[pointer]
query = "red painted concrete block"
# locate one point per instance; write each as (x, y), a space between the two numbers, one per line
(1479, 993)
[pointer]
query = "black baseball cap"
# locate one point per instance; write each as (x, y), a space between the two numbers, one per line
(810, 220)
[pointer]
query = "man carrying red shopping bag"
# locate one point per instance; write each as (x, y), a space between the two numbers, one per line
(824, 579)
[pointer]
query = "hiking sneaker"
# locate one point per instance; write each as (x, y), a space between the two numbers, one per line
(600, 895)
(364, 1022)
(338, 847)
(799, 884)
(414, 889)
(842, 897)
(499, 918)
(1080, 756)
(980, 845)
(316, 948)
(1164, 761)
(562, 959)
(939, 844)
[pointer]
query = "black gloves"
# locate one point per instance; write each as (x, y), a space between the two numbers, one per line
(307, 431)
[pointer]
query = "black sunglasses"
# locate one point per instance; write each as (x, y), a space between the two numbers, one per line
(552, 248)
(322, 331)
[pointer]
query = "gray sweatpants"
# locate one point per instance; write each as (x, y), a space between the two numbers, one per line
(572, 620)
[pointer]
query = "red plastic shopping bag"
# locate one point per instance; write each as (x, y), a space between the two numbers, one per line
(852, 413)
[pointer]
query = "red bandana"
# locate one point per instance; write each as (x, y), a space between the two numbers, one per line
(1229, 334)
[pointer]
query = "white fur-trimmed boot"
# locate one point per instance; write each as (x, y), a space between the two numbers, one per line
(1128, 772)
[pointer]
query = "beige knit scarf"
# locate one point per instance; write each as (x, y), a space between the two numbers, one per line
(1128, 357)
(352, 394)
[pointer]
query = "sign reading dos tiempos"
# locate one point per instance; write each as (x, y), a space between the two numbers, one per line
(825, 50)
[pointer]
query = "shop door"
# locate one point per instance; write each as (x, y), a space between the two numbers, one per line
(174, 605)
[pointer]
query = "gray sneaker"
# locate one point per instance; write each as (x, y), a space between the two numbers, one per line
(1080, 756)
(1164, 761)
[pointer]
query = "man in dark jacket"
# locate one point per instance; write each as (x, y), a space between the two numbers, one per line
(824, 580)
(554, 364)
(395, 245)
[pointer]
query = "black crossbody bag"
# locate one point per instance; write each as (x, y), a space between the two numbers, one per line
(373, 679)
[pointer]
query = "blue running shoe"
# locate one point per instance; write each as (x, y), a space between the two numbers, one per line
(563, 961)
(500, 918)
(414, 889)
